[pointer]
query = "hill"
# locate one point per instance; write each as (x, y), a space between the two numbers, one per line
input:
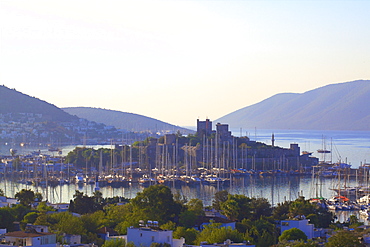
(12, 101)
(124, 120)
(342, 106)
(29, 120)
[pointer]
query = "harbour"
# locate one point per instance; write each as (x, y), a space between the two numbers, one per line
(350, 146)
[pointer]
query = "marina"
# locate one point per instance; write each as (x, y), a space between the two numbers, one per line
(58, 182)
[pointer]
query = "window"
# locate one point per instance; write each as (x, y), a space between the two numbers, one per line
(285, 223)
(141, 234)
(152, 238)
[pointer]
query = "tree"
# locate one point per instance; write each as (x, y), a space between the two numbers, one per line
(344, 238)
(116, 214)
(293, 234)
(261, 231)
(187, 218)
(169, 226)
(196, 205)
(92, 222)
(190, 234)
(31, 217)
(301, 207)
(156, 203)
(231, 209)
(214, 233)
(6, 218)
(320, 217)
(116, 242)
(67, 223)
(2, 192)
(25, 197)
(43, 207)
(260, 207)
(19, 211)
(237, 207)
(281, 211)
(83, 204)
(220, 197)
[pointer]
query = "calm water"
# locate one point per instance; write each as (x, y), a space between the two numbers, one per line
(353, 146)
(275, 189)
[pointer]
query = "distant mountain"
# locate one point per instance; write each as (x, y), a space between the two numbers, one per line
(124, 120)
(342, 106)
(30, 120)
(12, 101)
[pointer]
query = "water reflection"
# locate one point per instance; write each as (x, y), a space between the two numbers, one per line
(275, 189)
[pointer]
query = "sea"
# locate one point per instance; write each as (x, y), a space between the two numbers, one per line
(351, 147)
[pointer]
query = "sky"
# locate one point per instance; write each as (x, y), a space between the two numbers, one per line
(177, 61)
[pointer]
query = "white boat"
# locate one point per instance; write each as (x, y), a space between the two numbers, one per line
(79, 179)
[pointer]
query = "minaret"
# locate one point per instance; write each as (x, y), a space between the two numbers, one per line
(273, 140)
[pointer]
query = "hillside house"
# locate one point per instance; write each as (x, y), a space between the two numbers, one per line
(301, 224)
(29, 238)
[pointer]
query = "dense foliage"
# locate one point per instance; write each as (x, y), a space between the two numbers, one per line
(255, 218)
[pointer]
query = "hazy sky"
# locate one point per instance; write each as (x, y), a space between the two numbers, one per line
(177, 61)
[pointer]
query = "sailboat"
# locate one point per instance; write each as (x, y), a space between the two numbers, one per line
(351, 192)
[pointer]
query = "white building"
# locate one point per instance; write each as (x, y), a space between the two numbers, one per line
(145, 236)
(7, 202)
(302, 225)
(35, 239)
(60, 207)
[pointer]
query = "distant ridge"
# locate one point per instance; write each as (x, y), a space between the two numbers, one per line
(124, 120)
(12, 101)
(341, 106)
(28, 120)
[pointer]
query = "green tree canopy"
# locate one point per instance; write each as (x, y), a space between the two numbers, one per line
(117, 242)
(196, 205)
(65, 222)
(156, 203)
(6, 218)
(239, 207)
(220, 197)
(261, 231)
(301, 207)
(317, 214)
(344, 238)
(25, 197)
(293, 234)
(31, 217)
(190, 234)
(214, 233)
(84, 204)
